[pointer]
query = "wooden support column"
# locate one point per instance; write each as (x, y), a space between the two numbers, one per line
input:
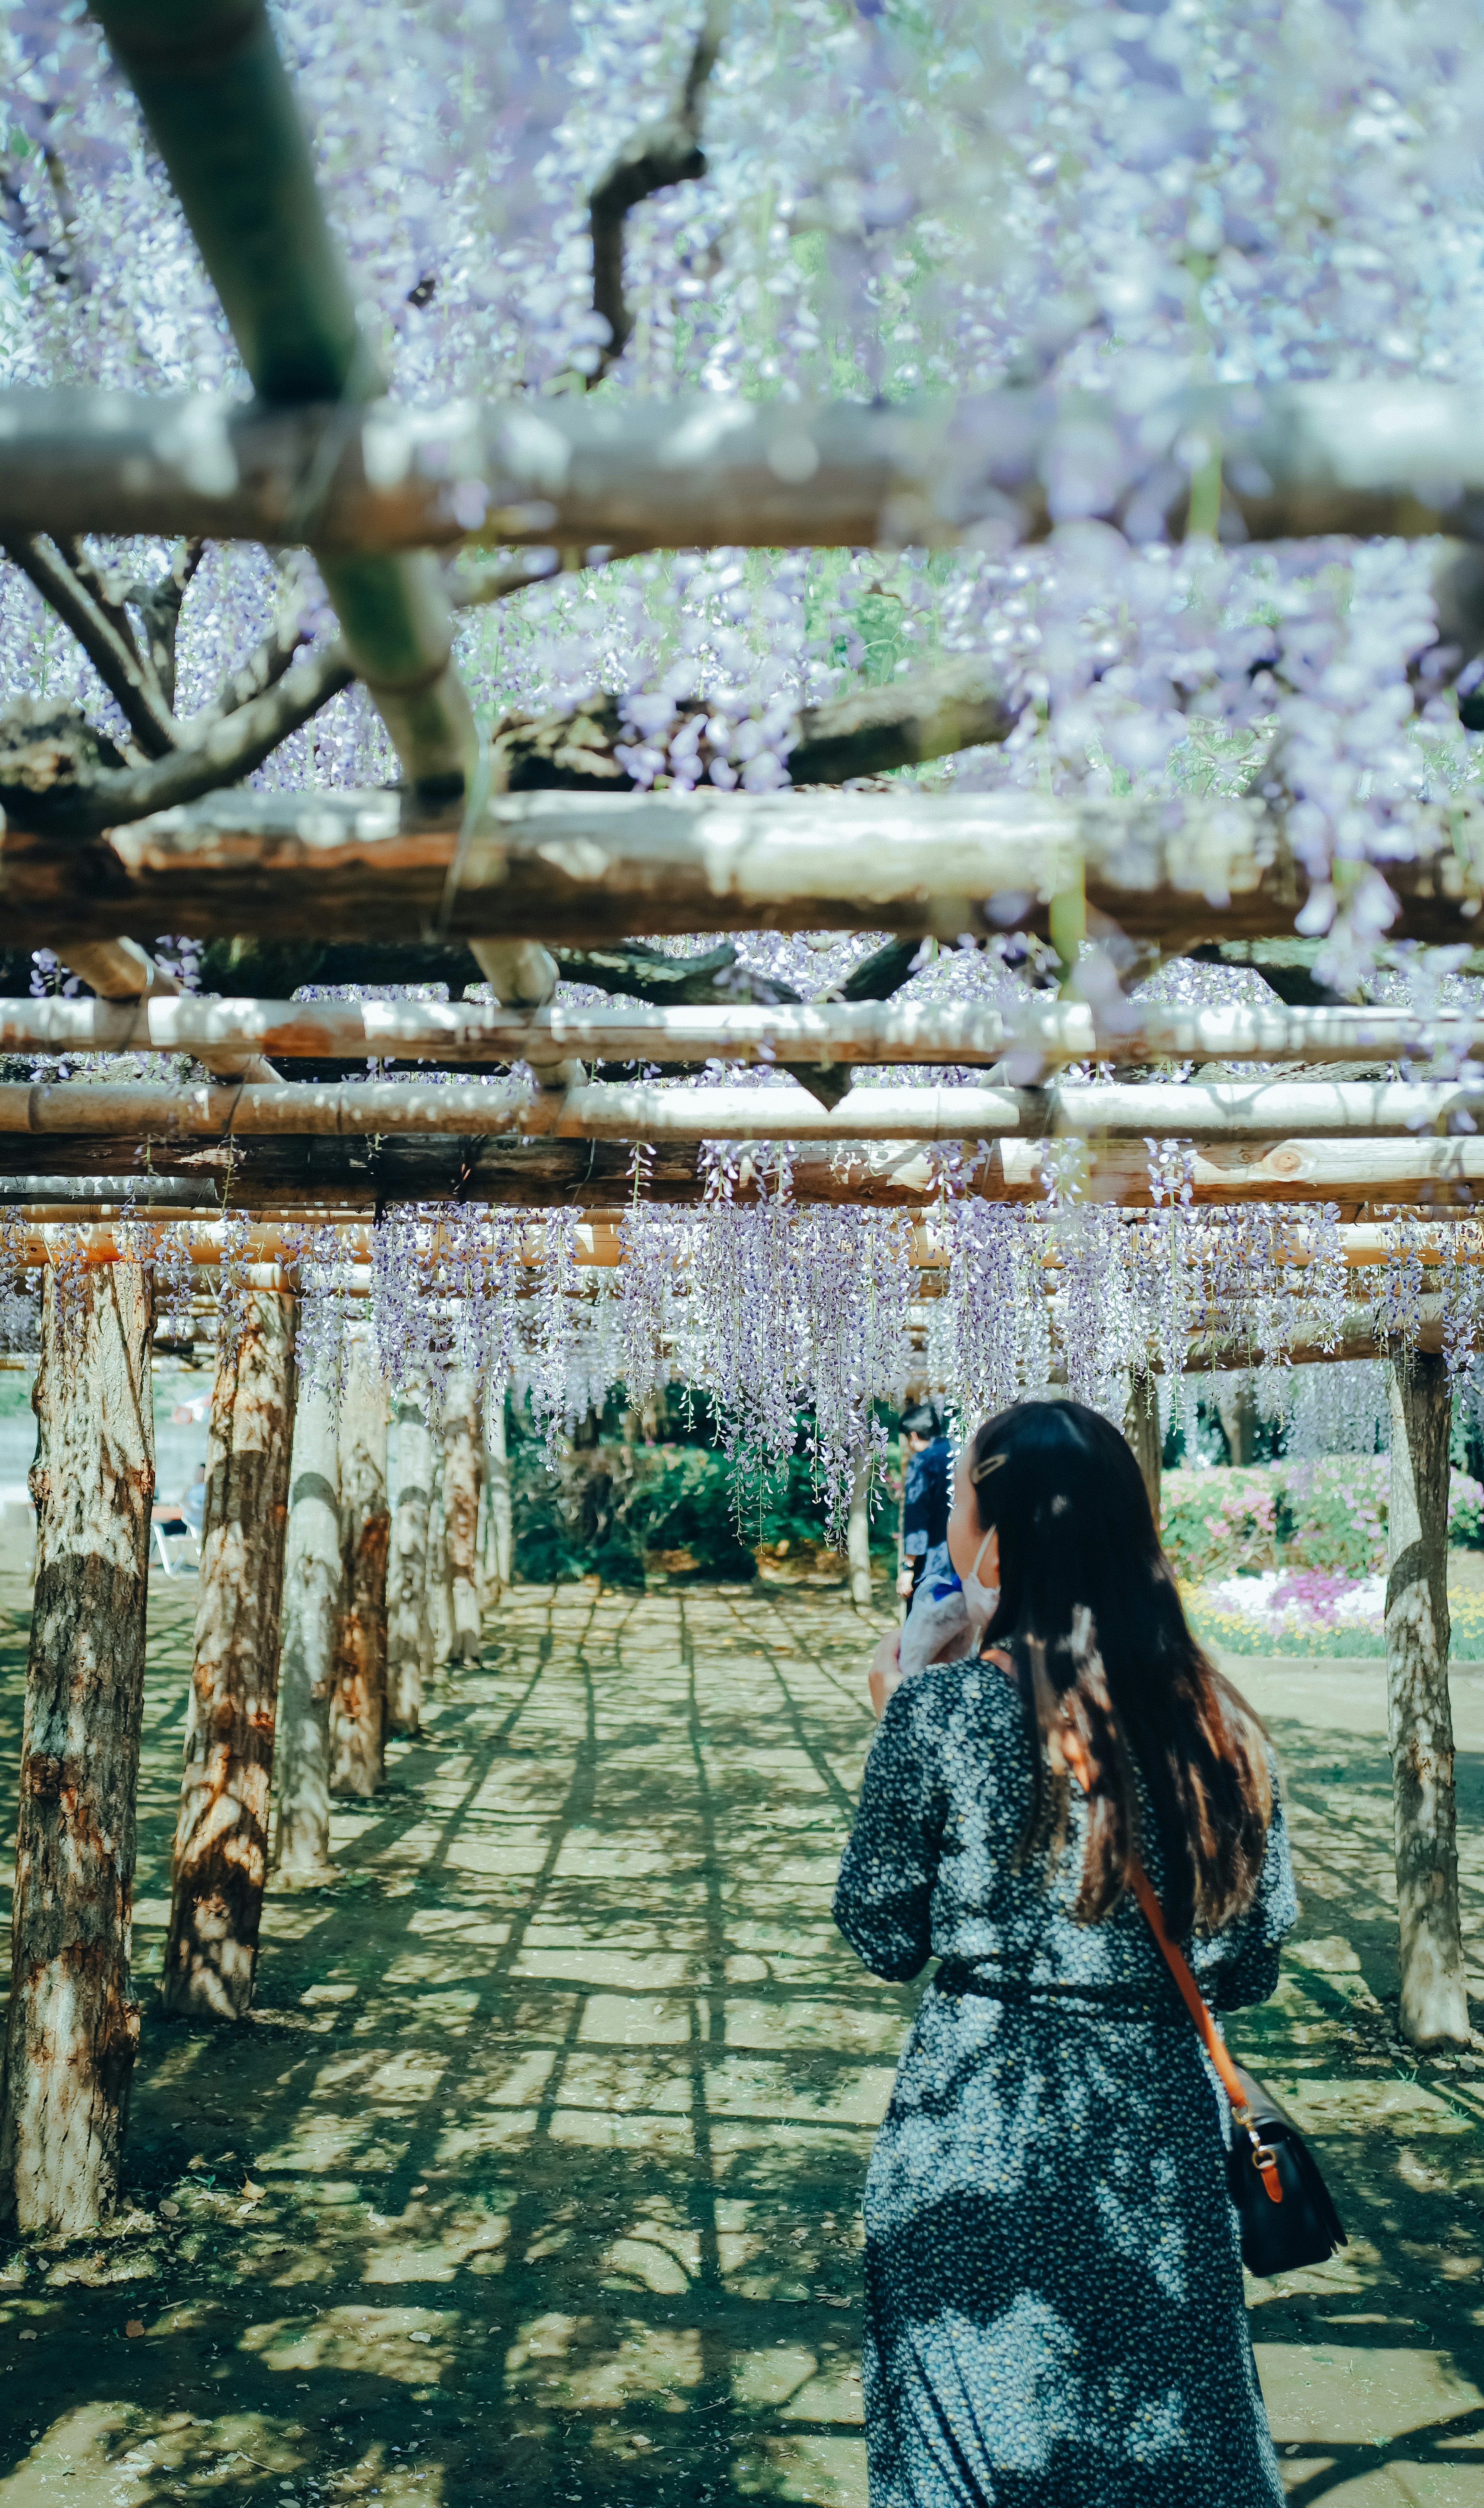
(73, 2023)
(463, 1452)
(221, 1836)
(1141, 1428)
(858, 1539)
(438, 1611)
(359, 1705)
(313, 1584)
(407, 1568)
(1434, 2001)
(499, 1531)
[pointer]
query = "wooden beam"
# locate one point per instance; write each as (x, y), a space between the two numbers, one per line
(309, 1173)
(1049, 1033)
(1298, 459)
(274, 1244)
(577, 868)
(1208, 1111)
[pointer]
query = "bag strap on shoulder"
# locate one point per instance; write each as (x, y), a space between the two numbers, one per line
(1195, 2002)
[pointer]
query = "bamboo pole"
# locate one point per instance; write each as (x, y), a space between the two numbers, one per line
(221, 111)
(583, 867)
(1191, 1110)
(1378, 458)
(837, 1032)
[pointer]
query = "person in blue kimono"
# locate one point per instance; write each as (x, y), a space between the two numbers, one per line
(925, 1499)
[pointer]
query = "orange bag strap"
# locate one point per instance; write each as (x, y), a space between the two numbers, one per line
(1195, 2000)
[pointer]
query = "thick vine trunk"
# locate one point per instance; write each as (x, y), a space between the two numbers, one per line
(1434, 2000)
(439, 1614)
(358, 1708)
(499, 1526)
(858, 1539)
(73, 2023)
(1236, 1411)
(463, 1452)
(221, 1838)
(1141, 1428)
(314, 1583)
(407, 1570)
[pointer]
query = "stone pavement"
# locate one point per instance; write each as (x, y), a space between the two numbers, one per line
(535, 2176)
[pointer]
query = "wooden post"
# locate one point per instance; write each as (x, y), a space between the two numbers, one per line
(462, 1448)
(313, 1584)
(858, 1539)
(1141, 1428)
(500, 1529)
(438, 1615)
(1435, 1998)
(359, 1705)
(1236, 1411)
(73, 2023)
(221, 1836)
(407, 1570)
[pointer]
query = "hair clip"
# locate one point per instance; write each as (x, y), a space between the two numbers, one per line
(981, 1471)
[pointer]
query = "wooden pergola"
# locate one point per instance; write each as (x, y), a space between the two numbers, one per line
(462, 868)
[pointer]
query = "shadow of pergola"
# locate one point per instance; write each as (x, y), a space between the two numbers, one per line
(562, 2099)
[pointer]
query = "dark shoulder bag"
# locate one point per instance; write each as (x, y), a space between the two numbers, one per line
(1282, 2202)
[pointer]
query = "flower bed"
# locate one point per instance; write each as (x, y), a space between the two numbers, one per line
(1227, 1631)
(1328, 1518)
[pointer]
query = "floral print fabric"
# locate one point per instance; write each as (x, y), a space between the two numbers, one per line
(1053, 2301)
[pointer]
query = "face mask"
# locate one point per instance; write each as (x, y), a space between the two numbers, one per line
(981, 1601)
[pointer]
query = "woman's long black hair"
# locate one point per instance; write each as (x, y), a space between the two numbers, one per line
(1090, 1617)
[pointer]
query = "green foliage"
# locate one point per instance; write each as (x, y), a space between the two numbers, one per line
(678, 1500)
(1329, 1515)
(1218, 1523)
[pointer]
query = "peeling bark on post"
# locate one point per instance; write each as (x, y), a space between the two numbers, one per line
(858, 1539)
(407, 1570)
(439, 1613)
(1434, 2000)
(358, 1706)
(313, 1584)
(73, 2023)
(462, 1450)
(221, 1838)
(1141, 1428)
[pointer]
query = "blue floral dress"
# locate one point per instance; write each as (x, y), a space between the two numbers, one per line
(1053, 2301)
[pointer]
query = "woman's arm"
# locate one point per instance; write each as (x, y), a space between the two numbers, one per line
(884, 1897)
(1240, 1966)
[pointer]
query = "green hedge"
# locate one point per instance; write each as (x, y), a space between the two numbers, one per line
(612, 1503)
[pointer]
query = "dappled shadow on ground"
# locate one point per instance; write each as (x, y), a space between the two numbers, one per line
(560, 2102)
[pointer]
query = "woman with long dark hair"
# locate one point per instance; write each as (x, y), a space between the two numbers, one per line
(1055, 2311)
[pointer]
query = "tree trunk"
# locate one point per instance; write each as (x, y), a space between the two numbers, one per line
(462, 1446)
(407, 1572)
(499, 1542)
(358, 1706)
(858, 1539)
(1434, 2000)
(73, 2023)
(313, 1584)
(221, 1836)
(1141, 1428)
(438, 1617)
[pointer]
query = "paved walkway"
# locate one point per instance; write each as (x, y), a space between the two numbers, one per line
(559, 2104)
